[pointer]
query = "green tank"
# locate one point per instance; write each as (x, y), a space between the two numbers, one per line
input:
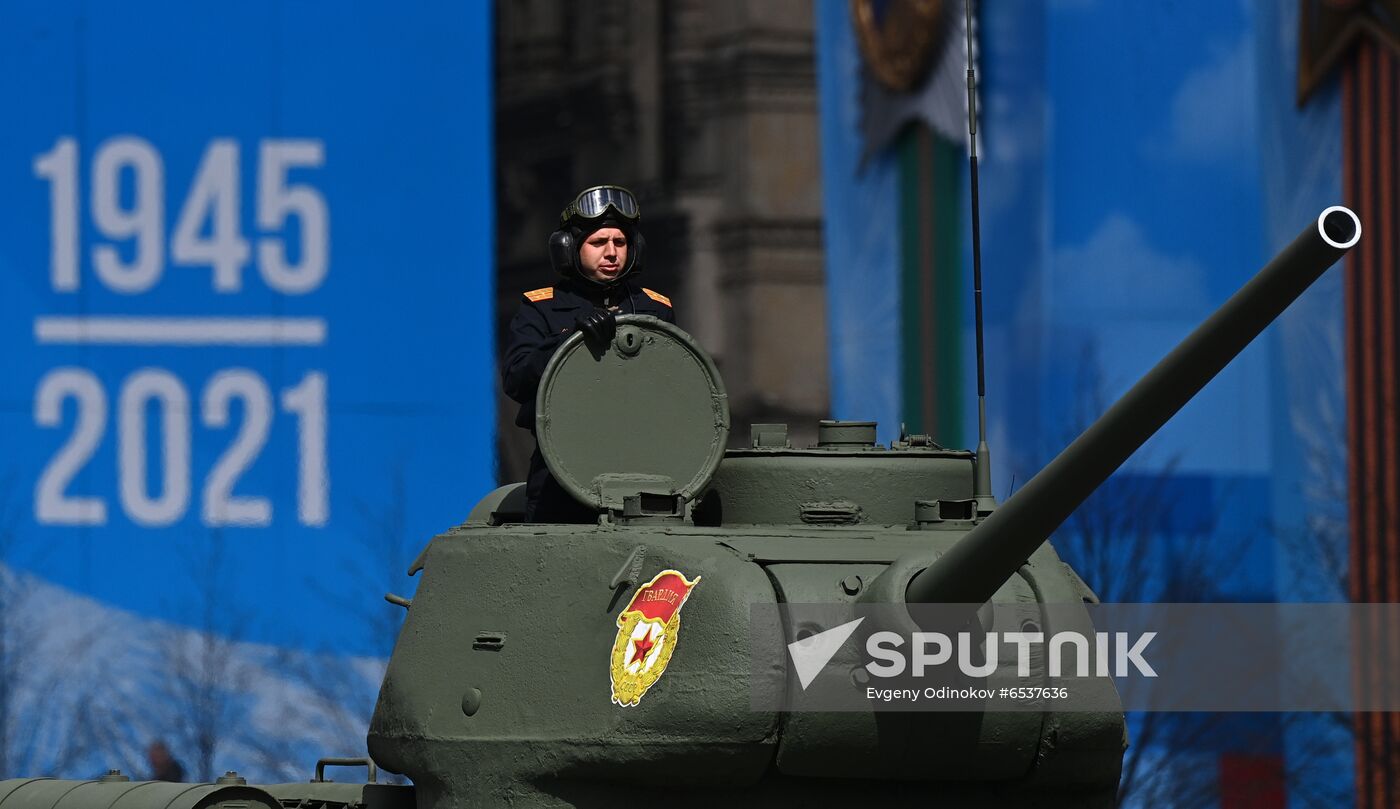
(612, 664)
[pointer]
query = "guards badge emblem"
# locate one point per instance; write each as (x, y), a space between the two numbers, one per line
(647, 631)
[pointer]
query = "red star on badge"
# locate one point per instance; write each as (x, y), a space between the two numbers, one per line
(640, 648)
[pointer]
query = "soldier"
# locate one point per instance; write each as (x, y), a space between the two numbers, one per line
(598, 252)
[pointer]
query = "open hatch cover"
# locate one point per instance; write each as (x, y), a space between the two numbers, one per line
(648, 415)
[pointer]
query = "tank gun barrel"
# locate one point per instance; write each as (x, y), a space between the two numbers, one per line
(973, 569)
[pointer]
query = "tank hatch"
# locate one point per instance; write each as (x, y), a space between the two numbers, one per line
(637, 428)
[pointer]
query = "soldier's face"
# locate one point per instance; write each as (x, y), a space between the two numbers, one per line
(603, 254)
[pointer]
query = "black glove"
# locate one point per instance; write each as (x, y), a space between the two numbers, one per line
(598, 327)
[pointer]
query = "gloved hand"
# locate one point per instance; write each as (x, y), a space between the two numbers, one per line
(598, 327)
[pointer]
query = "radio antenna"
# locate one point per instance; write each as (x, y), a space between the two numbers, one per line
(982, 488)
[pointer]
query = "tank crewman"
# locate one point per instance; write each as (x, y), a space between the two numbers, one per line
(597, 251)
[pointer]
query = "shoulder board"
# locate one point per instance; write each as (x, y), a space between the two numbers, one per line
(657, 296)
(541, 294)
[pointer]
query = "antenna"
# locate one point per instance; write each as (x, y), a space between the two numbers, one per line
(982, 488)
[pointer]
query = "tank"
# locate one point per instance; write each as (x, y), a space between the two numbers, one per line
(613, 663)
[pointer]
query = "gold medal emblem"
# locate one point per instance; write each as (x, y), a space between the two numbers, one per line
(647, 631)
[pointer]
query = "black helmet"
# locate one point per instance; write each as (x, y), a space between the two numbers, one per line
(594, 208)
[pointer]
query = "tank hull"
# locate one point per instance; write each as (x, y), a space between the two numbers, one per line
(499, 692)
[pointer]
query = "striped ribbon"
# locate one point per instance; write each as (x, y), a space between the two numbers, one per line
(1370, 101)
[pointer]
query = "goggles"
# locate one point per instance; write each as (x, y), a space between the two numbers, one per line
(595, 202)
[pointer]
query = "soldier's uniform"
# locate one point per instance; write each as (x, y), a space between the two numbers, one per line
(546, 316)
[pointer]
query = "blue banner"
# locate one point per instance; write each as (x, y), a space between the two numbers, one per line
(246, 262)
(860, 201)
(1138, 165)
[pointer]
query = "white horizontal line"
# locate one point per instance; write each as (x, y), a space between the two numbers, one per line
(181, 331)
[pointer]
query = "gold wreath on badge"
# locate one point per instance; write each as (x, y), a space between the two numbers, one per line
(898, 38)
(647, 632)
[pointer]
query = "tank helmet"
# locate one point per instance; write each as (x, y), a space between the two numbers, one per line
(594, 208)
